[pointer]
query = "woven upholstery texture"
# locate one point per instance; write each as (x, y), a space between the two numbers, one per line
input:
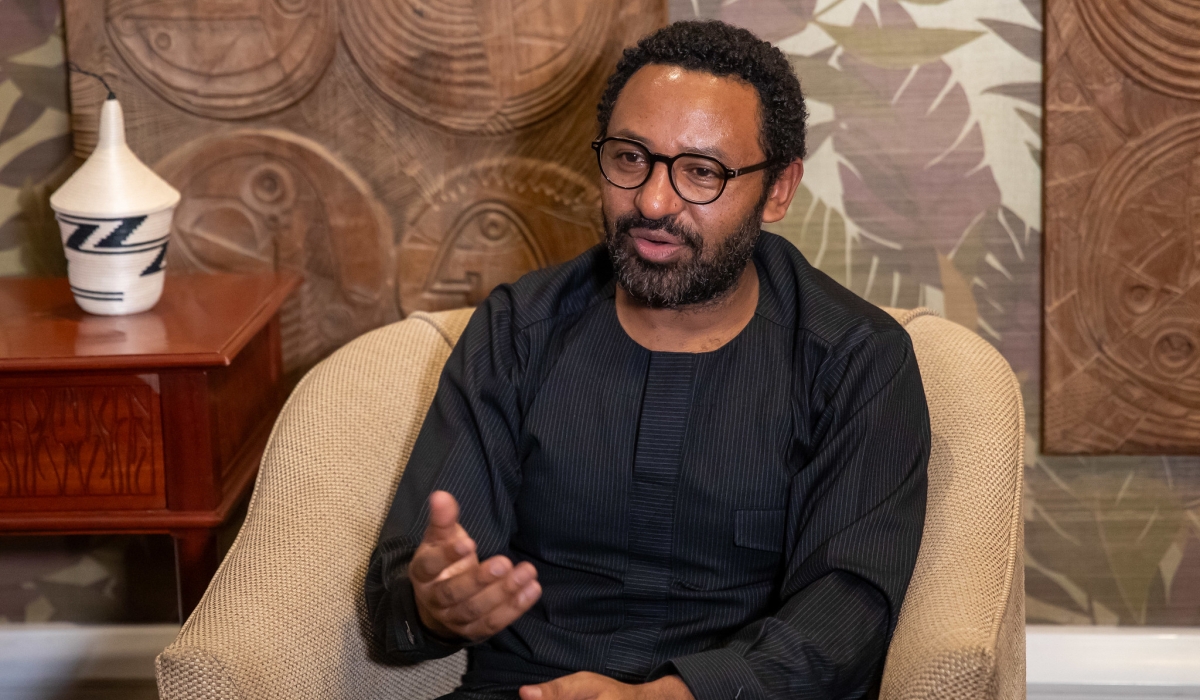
(284, 616)
(962, 626)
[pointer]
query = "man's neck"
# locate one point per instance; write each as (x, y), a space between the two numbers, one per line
(696, 328)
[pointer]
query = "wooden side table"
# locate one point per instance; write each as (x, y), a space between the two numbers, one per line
(151, 423)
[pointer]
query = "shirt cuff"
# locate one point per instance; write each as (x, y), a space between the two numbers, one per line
(718, 674)
(410, 638)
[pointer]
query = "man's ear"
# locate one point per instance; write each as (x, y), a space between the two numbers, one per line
(780, 197)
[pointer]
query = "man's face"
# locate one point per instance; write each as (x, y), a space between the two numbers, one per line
(668, 252)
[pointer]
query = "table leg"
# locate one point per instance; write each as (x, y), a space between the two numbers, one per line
(196, 561)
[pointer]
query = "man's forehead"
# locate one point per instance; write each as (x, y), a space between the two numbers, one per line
(725, 92)
(675, 106)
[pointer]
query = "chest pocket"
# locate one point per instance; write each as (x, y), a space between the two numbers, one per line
(760, 529)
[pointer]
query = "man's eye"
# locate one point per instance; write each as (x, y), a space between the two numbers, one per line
(700, 172)
(631, 157)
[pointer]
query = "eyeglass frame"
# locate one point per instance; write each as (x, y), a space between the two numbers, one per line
(669, 161)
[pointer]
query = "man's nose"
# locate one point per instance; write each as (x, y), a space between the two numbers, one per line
(657, 198)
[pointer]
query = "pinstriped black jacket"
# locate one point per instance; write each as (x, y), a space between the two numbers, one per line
(747, 518)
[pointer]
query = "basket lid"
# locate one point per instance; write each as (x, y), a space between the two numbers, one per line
(113, 182)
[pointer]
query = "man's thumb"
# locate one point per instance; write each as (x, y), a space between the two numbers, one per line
(443, 515)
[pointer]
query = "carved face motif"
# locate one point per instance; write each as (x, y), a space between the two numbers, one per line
(491, 223)
(265, 200)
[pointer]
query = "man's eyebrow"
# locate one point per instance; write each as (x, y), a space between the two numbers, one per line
(711, 152)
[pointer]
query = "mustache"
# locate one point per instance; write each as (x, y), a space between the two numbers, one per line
(626, 223)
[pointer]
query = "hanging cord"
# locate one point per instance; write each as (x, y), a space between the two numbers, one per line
(71, 66)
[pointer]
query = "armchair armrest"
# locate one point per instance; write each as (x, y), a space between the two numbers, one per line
(284, 617)
(961, 632)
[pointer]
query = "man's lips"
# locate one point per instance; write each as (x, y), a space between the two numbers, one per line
(654, 235)
(656, 245)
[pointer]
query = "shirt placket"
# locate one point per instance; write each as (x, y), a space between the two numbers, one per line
(666, 406)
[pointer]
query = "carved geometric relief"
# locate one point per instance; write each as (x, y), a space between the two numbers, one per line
(401, 154)
(477, 65)
(490, 223)
(80, 442)
(227, 59)
(257, 200)
(1122, 290)
(1154, 41)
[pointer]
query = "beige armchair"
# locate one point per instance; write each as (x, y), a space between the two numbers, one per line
(284, 617)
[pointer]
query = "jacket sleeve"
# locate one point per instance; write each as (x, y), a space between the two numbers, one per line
(467, 446)
(857, 510)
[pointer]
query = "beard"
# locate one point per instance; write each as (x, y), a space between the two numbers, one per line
(707, 275)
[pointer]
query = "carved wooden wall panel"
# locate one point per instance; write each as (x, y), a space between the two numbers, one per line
(225, 59)
(254, 199)
(478, 229)
(1122, 276)
(402, 154)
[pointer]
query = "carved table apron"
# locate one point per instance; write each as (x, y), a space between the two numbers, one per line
(150, 423)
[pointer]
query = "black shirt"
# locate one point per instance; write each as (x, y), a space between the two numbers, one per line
(748, 518)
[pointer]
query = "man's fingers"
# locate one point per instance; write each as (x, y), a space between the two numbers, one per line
(472, 596)
(431, 559)
(503, 613)
(467, 563)
(458, 582)
(577, 686)
(443, 517)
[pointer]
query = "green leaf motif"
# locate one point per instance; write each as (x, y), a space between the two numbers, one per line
(1031, 120)
(36, 162)
(898, 47)
(1027, 40)
(824, 83)
(1035, 11)
(45, 85)
(817, 134)
(23, 114)
(1026, 92)
(820, 233)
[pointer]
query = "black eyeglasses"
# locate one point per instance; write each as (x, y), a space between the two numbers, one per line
(697, 179)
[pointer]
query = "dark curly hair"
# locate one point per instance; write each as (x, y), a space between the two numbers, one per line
(723, 50)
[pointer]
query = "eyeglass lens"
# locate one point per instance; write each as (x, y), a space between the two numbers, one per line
(697, 179)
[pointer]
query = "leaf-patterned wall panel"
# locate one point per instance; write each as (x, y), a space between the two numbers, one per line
(35, 139)
(923, 186)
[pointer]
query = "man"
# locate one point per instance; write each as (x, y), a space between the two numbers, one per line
(686, 463)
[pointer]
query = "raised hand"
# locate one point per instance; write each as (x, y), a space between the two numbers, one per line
(457, 596)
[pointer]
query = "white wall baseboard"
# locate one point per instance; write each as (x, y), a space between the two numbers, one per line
(1106, 663)
(40, 661)
(1064, 663)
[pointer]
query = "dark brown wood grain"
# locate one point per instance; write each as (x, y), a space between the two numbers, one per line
(1122, 259)
(80, 442)
(139, 424)
(201, 321)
